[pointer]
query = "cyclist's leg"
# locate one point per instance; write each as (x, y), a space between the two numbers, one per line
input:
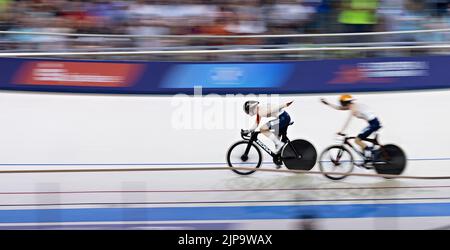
(266, 130)
(359, 140)
(285, 119)
(374, 125)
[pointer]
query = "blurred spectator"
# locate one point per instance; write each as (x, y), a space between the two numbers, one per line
(218, 26)
(413, 17)
(4, 5)
(248, 20)
(358, 15)
(290, 14)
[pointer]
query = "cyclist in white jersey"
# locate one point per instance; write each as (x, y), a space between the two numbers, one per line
(279, 125)
(360, 111)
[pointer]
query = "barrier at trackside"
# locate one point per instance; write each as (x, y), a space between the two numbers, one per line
(319, 76)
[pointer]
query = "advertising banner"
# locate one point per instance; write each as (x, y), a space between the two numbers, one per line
(320, 76)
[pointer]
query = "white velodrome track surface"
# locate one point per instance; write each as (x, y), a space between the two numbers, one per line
(76, 131)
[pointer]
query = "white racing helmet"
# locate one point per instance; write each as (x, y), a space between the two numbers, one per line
(250, 107)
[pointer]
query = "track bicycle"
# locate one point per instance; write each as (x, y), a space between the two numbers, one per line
(385, 159)
(297, 154)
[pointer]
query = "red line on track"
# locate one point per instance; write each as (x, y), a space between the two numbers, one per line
(214, 190)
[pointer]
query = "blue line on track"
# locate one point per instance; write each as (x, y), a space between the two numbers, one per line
(225, 213)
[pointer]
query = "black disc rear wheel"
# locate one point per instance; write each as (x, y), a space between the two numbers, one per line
(299, 155)
(390, 159)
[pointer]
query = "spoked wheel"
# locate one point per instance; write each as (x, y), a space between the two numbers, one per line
(390, 159)
(336, 159)
(299, 155)
(236, 157)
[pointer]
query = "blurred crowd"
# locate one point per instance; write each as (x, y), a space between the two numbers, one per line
(212, 17)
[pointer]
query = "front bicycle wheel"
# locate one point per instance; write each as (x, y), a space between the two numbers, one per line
(335, 162)
(236, 157)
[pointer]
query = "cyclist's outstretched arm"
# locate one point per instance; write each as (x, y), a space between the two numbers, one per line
(337, 107)
(346, 124)
(275, 109)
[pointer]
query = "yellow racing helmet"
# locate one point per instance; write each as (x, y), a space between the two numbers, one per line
(346, 99)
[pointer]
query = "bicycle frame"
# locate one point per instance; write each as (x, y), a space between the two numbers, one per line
(254, 138)
(361, 154)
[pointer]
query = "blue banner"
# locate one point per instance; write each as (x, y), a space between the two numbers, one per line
(320, 76)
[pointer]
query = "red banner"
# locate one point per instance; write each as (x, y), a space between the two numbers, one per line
(85, 74)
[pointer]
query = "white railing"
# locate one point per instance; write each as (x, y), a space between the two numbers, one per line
(224, 51)
(227, 36)
(292, 48)
(240, 46)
